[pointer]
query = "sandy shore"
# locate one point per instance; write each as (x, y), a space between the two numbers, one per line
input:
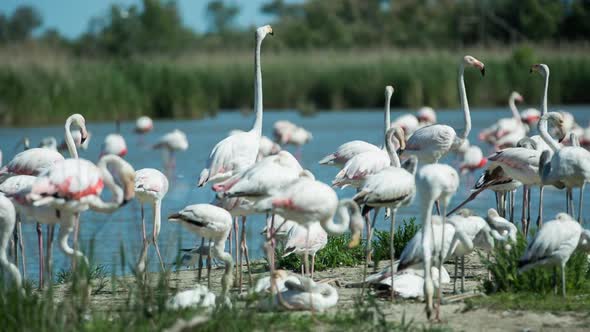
(456, 315)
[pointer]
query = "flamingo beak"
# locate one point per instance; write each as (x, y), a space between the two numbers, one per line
(483, 70)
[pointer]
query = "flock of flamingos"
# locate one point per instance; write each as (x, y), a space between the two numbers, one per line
(251, 175)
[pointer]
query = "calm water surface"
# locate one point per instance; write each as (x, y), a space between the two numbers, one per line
(121, 230)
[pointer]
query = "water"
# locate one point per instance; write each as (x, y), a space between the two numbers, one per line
(121, 231)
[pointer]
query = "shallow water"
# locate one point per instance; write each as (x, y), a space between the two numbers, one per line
(109, 234)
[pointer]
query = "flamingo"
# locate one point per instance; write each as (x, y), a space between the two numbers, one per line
(305, 294)
(214, 223)
(408, 122)
(74, 185)
(504, 228)
(426, 116)
(569, 166)
(554, 244)
(472, 159)
(408, 283)
(144, 125)
(237, 152)
(530, 116)
(114, 144)
(296, 242)
(7, 223)
(392, 187)
(512, 127)
(267, 146)
(348, 150)
(282, 130)
(150, 187)
(79, 141)
(170, 143)
(434, 183)
(48, 142)
(263, 285)
(431, 143)
(198, 297)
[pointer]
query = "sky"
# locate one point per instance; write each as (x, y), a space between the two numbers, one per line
(71, 17)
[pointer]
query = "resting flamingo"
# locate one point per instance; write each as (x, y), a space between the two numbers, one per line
(213, 223)
(554, 244)
(348, 150)
(144, 125)
(239, 151)
(473, 159)
(304, 294)
(151, 186)
(426, 116)
(431, 143)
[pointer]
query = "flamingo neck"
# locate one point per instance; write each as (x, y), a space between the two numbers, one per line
(226, 280)
(514, 109)
(464, 103)
(542, 126)
(98, 204)
(157, 211)
(343, 215)
(70, 140)
(387, 113)
(393, 157)
(545, 91)
(257, 127)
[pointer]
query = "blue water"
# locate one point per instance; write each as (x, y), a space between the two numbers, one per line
(121, 230)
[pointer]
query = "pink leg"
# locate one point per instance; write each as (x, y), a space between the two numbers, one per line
(41, 256)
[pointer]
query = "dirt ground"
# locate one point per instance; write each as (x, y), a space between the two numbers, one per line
(455, 315)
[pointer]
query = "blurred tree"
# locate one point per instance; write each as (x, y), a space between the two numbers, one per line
(222, 16)
(20, 25)
(576, 24)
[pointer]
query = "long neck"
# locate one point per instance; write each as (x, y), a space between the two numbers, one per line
(464, 103)
(513, 108)
(218, 251)
(157, 216)
(98, 204)
(257, 127)
(70, 140)
(542, 126)
(387, 113)
(344, 217)
(544, 98)
(393, 157)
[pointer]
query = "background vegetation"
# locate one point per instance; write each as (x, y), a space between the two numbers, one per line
(325, 55)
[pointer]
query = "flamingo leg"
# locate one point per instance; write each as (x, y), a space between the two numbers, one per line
(238, 251)
(141, 263)
(155, 241)
(567, 199)
(540, 218)
(456, 276)
(49, 254)
(76, 234)
(209, 266)
(462, 274)
(563, 279)
(312, 264)
(41, 255)
(512, 206)
(368, 249)
(21, 245)
(528, 209)
(440, 263)
(246, 253)
(241, 262)
(200, 263)
(524, 228)
(392, 250)
(580, 201)
(570, 201)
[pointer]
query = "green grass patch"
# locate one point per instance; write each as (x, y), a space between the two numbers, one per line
(403, 234)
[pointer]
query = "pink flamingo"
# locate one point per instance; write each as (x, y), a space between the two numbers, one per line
(473, 159)
(170, 143)
(431, 143)
(239, 151)
(144, 125)
(296, 242)
(114, 144)
(150, 188)
(348, 150)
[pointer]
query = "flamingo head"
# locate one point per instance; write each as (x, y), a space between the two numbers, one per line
(472, 61)
(263, 31)
(389, 91)
(398, 133)
(540, 68)
(79, 121)
(516, 97)
(125, 175)
(555, 120)
(426, 115)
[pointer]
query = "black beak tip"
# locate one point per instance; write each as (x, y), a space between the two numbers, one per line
(271, 33)
(483, 72)
(125, 201)
(83, 139)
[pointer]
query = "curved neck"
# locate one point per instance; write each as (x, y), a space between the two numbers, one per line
(218, 251)
(512, 105)
(387, 113)
(98, 204)
(542, 126)
(257, 127)
(70, 140)
(343, 215)
(393, 157)
(544, 98)
(464, 103)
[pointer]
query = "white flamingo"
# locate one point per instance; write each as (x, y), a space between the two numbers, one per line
(267, 146)
(554, 244)
(431, 143)
(144, 125)
(505, 126)
(150, 188)
(434, 183)
(505, 229)
(170, 143)
(530, 116)
(426, 116)
(237, 152)
(473, 159)
(114, 144)
(348, 150)
(305, 294)
(296, 242)
(213, 223)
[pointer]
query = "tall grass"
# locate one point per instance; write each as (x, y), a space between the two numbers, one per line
(44, 87)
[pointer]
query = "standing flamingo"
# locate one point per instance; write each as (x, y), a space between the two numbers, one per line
(431, 143)
(144, 125)
(74, 185)
(434, 182)
(237, 152)
(150, 187)
(114, 144)
(348, 150)
(213, 223)
(7, 223)
(473, 159)
(554, 244)
(296, 242)
(170, 143)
